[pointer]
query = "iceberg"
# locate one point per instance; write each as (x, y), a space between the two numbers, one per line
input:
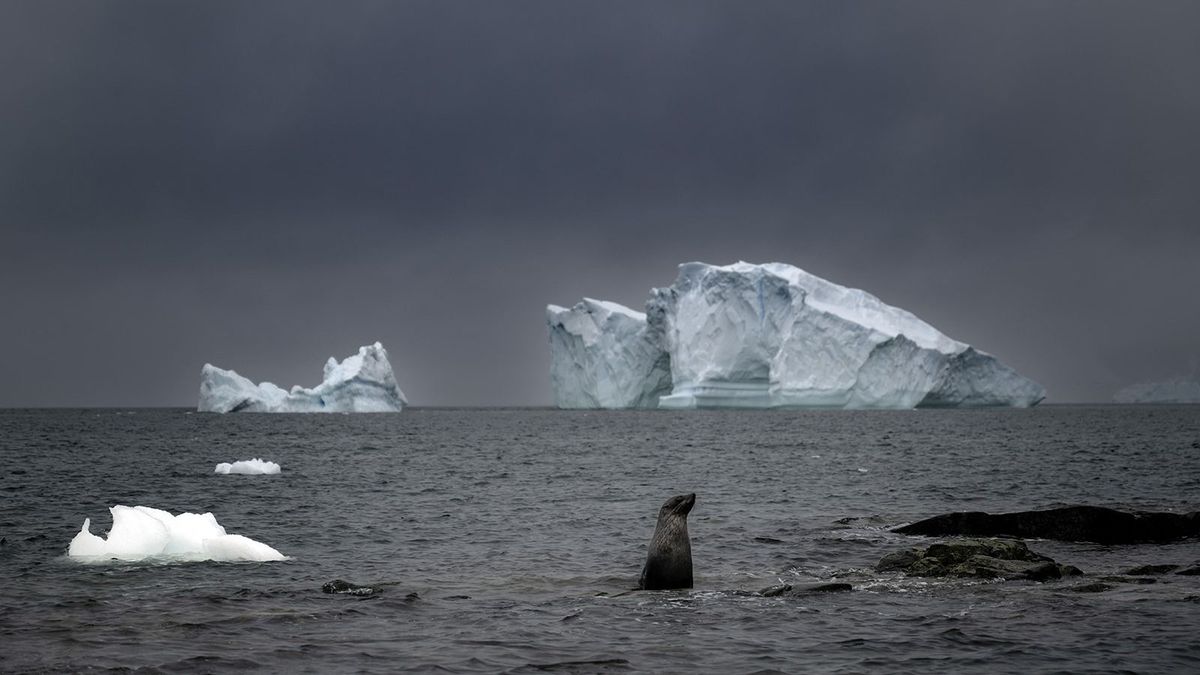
(254, 466)
(140, 532)
(363, 382)
(602, 356)
(1176, 390)
(765, 336)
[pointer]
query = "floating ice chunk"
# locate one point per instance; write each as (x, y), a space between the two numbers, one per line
(237, 547)
(363, 382)
(248, 466)
(140, 532)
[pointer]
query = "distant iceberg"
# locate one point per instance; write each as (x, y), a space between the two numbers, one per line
(140, 532)
(762, 336)
(363, 382)
(248, 466)
(1177, 390)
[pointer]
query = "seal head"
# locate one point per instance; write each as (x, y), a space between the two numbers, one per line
(669, 558)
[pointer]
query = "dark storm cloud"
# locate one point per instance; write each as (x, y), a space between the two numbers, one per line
(262, 185)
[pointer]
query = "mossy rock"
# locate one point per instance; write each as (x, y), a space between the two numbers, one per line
(976, 558)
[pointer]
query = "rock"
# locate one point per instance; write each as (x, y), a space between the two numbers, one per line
(786, 590)
(899, 561)
(961, 550)
(979, 558)
(775, 591)
(1072, 523)
(927, 567)
(1044, 572)
(343, 587)
(1129, 580)
(832, 587)
(1094, 587)
(1150, 570)
(987, 567)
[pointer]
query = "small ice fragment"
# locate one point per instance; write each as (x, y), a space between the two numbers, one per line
(248, 466)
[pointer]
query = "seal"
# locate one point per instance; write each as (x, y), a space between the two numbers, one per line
(669, 558)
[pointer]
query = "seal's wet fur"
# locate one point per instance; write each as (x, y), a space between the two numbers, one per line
(669, 558)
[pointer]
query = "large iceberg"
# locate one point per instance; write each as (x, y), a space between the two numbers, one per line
(772, 335)
(363, 382)
(602, 356)
(1177, 390)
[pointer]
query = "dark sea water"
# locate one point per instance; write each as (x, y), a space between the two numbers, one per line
(520, 530)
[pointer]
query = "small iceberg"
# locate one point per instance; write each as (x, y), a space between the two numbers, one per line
(254, 466)
(140, 532)
(362, 382)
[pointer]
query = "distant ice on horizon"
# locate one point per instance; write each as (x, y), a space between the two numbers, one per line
(1176, 390)
(254, 466)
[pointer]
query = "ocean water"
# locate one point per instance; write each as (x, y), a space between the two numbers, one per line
(508, 539)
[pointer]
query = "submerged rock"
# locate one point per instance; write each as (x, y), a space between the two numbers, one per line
(1072, 523)
(785, 590)
(1150, 570)
(1093, 587)
(343, 587)
(976, 558)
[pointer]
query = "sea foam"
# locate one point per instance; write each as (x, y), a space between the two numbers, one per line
(140, 532)
(248, 466)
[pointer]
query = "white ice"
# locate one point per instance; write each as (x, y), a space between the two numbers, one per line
(603, 357)
(773, 335)
(248, 466)
(363, 382)
(140, 532)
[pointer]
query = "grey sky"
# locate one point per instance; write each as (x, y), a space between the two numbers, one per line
(263, 185)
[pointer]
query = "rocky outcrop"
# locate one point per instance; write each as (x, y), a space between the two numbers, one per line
(976, 558)
(1073, 523)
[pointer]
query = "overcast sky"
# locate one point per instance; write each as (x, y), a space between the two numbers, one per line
(262, 185)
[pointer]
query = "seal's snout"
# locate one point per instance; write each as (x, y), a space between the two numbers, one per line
(685, 504)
